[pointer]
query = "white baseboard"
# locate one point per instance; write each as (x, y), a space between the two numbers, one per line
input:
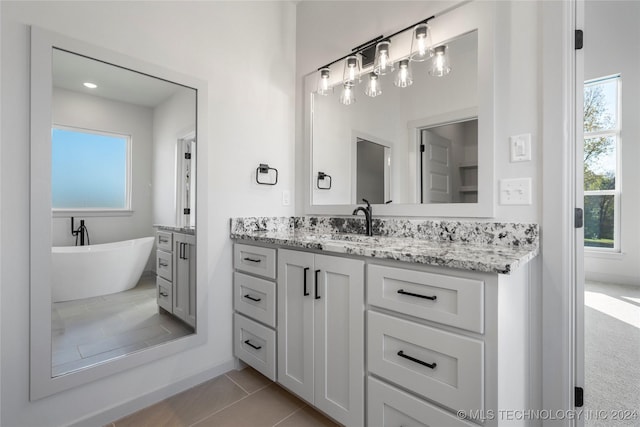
(114, 413)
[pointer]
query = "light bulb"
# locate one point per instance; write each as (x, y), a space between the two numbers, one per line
(440, 62)
(323, 82)
(373, 87)
(382, 63)
(403, 76)
(421, 49)
(351, 73)
(347, 97)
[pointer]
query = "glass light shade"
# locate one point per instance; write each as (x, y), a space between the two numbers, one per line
(373, 86)
(351, 74)
(382, 63)
(323, 82)
(348, 96)
(440, 62)
(421, 46)
(403, 77)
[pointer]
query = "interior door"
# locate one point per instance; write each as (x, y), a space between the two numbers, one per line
(436, 168)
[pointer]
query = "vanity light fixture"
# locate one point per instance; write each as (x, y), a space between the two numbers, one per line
(421, 46)
(90, 85)
(351, 73)
(439, 65)
(382, 64)
(348, 96)
(373, 86)
(323, 82)
(403, 77)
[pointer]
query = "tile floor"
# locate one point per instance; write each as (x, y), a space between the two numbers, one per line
(236, 399)
(89, 331)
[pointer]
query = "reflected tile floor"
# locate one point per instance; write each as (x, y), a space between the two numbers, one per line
(235, 399)
(92, 330)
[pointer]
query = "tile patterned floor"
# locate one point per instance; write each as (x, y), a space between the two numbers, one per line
(89, 331)
(236, 399)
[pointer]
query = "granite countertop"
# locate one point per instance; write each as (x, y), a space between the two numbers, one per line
(184, 230)
(466, 255)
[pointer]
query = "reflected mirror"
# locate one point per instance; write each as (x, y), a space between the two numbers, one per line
(123, 161)
(411, 145)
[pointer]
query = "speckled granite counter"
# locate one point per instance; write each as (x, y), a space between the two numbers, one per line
(184, 230)
(477, 246)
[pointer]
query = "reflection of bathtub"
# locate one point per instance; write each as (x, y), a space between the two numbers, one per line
(94, 270)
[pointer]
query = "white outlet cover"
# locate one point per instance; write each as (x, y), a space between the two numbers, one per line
(520, 147)
(516, 191)
(286, 198)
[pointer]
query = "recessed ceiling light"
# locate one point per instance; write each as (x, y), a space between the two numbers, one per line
(90, 85)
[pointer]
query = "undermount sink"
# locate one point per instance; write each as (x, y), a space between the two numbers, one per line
(341, 237)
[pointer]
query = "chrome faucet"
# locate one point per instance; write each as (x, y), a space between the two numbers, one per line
(368, 213)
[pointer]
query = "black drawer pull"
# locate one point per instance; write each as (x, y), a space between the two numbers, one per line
(413, 359)
(252, 298)
(252, 260)
(164, 294)
(163, 264)
(411, 294)
(317, 295)
(305, 291)
(257, 347)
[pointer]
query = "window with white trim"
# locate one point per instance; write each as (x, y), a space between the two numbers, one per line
(90, 170)
(602, 164)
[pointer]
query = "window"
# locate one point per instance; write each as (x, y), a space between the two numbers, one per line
(602, 164)
(89, 170)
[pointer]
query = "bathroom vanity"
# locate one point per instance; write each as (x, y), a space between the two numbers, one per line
(427, 323)
(176, 272)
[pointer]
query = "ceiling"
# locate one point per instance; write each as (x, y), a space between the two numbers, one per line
(70, 71)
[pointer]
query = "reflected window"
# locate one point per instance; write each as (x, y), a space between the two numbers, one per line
(602, 164)
(89, 170)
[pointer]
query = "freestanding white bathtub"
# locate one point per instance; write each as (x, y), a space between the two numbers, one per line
(89, 271)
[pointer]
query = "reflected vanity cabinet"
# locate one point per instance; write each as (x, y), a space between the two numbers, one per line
(176, 274)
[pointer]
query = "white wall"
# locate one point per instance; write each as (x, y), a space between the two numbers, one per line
(96, 113)
(516, 73)
(611, 47)
(251, 120)
(172, 120)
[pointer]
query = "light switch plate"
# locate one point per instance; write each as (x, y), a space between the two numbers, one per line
(516, 191)
(520, 147)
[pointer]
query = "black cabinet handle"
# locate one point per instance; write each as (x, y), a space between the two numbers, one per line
(163, 264)
(257, 347)
(252, 298)
(164, 294)
(403, 292)
(304, 273)
(418, 361)
(317, 296)
(252, 260)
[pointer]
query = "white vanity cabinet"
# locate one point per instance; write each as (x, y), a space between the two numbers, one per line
(176, 274)
(321, 332)
(440, 341)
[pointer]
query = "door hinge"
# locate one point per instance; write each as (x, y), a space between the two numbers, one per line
(579, 218)
(187, 156)
(422, 148)
(579, 39)
(578, 397)
(187, 211)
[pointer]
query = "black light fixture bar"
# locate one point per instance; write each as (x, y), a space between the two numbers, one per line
(358, 49)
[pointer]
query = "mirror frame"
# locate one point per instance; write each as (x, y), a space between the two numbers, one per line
(453, 23)
(42, 383)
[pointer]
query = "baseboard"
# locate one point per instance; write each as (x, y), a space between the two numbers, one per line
(612, 278)
(114, 413)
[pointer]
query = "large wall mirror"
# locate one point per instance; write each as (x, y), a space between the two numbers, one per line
(425, 149)
(115, 144)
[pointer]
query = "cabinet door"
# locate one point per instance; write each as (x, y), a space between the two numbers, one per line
(295, 322)
(184, 272)
(339, 338)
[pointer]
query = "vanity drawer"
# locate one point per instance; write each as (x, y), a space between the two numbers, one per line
(255, 298)
(255, 345)
(164, 268)
(165, 294)
(164, 240)
(389, 406)
(255, 260)
(450, 300)
(441, 366)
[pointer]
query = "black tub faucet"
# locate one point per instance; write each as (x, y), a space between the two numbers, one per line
(368, 213)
